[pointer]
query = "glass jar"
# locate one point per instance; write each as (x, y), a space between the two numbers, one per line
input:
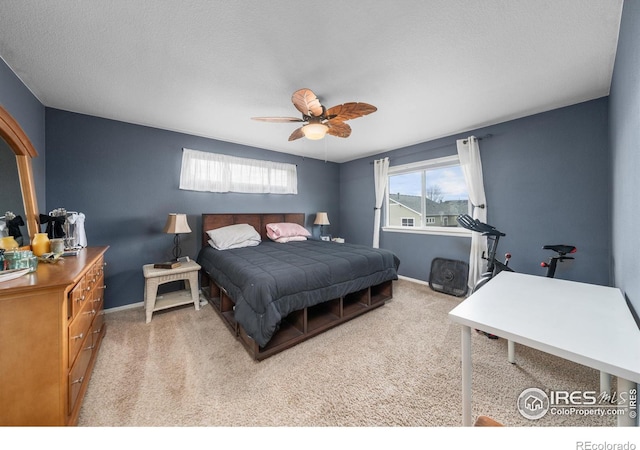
(33, 262)
(8, 243)
(18, 259)
(40, 244)
(57, 246)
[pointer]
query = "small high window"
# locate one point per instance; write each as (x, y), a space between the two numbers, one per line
(212, 172)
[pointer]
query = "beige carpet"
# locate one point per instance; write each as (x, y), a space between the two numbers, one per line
(396, 366)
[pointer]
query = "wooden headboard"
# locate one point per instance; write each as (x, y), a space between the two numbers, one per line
(258, 221)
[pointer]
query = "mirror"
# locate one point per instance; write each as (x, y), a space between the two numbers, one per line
(10, 191)
(15, 140)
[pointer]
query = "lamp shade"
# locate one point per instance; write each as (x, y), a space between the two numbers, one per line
(314, 131)
(322, 219)
(177, 224)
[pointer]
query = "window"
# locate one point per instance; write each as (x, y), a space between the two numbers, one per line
(427, 196)
(408, 221)
(212, 172)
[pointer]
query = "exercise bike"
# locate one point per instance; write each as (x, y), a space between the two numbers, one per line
(494, 266)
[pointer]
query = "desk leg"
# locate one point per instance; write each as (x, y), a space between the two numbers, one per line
(466, 376)
(625, 420)
(511, 352)
(605, 382)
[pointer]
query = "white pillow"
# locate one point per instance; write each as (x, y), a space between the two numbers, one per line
(283, 240)
(234, 236)
(248, 243)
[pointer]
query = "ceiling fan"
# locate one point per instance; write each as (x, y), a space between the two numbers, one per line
(319, 120)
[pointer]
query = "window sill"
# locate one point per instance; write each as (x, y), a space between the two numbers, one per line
(438, 231)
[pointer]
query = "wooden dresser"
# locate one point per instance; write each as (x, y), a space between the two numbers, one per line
(51, 328)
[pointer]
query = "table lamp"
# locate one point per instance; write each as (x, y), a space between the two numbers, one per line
(321, 219)
(177, 224)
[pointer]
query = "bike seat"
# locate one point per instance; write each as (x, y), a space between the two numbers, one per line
(562, 249)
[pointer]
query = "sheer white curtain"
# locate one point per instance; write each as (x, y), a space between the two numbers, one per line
(212, 172)
(469, 154)
(380, 179)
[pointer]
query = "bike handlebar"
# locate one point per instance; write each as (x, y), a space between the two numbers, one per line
(466, 221)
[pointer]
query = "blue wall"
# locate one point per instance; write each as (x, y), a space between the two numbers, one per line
(29, 113)
(125, 178)
(625, 149)
(547, 181)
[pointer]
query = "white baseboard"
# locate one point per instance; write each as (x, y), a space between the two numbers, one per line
(125, 307)
(413, 280)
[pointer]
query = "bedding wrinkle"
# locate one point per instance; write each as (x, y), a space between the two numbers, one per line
(269, 281)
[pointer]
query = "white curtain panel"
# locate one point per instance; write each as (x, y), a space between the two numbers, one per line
(380, 178)
(469, 154)
(212, 172)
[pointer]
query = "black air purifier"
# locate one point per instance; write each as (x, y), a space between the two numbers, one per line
(449, 276)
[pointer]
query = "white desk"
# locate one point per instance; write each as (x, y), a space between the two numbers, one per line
(584, 323)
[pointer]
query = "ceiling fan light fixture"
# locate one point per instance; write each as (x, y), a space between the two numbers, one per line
(315, 131)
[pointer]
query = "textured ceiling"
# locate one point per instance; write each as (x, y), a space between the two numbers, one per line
(432, 67)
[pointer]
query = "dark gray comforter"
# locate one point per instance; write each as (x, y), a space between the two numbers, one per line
(269, 281)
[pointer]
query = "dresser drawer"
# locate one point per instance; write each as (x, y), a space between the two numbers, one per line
(77, 297)
(79, 329)
(78, 372)
(95, 276)
(96, 328)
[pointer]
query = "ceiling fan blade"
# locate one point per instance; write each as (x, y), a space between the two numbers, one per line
(307, 103)
(297, 134)
(350, 110)
(338, 128)
(278, 119)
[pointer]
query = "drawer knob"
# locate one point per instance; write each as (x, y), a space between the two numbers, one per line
(79, 380)
(80, 336)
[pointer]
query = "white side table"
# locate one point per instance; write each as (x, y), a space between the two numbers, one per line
(188, 272)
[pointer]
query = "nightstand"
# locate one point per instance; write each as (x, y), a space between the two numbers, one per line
(187, 272)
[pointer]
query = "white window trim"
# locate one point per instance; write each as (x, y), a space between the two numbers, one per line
(440, 231)
(434, 163)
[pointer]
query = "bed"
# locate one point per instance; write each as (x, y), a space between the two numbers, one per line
(274, 295)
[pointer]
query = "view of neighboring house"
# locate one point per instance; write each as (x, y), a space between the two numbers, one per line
(406, 211)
